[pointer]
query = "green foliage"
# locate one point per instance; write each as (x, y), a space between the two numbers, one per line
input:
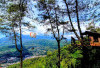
(1, 20)
(93, 28)
(49, 53)
(98, 30)
(15, 8)
(69, 58)
(51, 1)
(15, 12)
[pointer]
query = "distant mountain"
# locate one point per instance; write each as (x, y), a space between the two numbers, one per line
(37, 37)
(8, 41)
(26, 39)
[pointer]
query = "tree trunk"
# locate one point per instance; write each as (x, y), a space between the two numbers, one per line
(21, 56)
(21, 60)
(20, 22)
(85, 59)
(58, 41)
(19, 50)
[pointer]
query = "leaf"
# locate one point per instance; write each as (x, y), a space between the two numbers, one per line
(1, 20)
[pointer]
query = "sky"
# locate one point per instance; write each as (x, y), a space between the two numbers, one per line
(40, 29)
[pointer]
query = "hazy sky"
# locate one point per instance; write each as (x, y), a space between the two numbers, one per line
(41, 30)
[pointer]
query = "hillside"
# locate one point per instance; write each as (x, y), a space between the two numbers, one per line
(68, 58)
(41, 45)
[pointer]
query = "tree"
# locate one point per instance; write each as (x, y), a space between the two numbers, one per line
(80, 38)
(16, 14)
(51, 14)
(79, 9)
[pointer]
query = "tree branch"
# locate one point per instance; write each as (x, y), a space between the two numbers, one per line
(51, 23)
(78, 20)
(63, 33)
(71, 21)
(15, 39)
(57, 25)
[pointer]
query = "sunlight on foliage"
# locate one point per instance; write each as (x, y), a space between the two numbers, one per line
(68, 59)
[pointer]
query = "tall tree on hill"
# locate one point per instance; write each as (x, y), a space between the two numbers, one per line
(16, 14)
(77, 9)
(80, 37)
(15, 11)
(51, 14)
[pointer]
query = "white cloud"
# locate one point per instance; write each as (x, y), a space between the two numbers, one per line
(69, 35)
(41, 29)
